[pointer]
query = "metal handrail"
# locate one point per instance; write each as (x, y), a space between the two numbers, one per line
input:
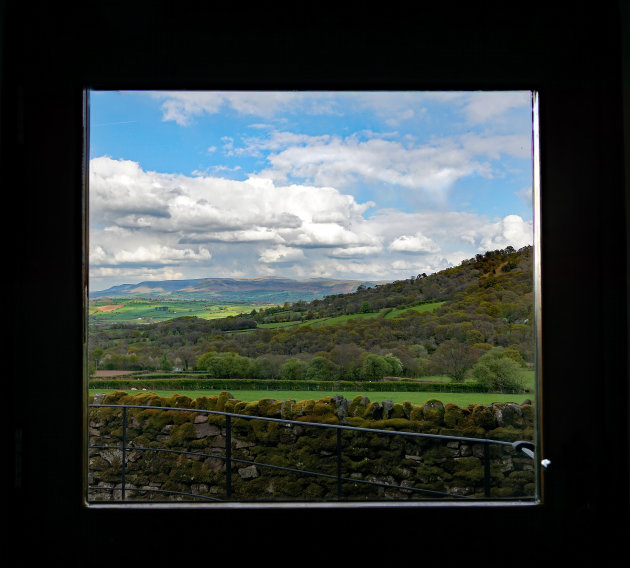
(525, 446)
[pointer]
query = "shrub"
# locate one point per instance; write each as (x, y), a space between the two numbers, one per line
(293, 368)
(497, 372)
(374, 367)
(225, 365)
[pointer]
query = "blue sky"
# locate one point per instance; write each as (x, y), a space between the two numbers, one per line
(368, 186)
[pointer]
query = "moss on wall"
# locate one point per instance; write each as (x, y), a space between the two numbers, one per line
(400, 462)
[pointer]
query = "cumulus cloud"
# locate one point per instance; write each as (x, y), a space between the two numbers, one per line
(414, 243)
(120, 188)
(135, 275)
(310, 201)
(152, 255)
(338, 162)
(190, 218)
(281, 253)
(122, 194)
(512, 230)
(356, 251)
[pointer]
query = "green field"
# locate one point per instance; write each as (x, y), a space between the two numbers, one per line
(461, 399)
(143, 310)
(419, 308)
(351, 317)
(140, 310)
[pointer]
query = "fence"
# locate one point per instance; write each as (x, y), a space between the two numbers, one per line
(525, 447)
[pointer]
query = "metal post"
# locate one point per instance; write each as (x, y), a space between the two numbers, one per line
(486, 456)
(228, 457)
(124, 451)
(339, 493)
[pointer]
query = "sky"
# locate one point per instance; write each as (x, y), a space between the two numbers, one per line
(354, 185)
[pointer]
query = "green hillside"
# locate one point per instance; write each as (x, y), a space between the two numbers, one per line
(445, 323)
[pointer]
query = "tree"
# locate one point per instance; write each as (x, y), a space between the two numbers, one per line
(225, 365)
(515, 355)
(262, 368)
(321, 368)
(395, 365)
(347, 357)
(97, 355)
(453, 359)
(474, 336)
(293, 369)
(374, 367)
(165, 364)
(497, 371)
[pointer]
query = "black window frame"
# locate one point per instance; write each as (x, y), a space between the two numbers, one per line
(571, 56)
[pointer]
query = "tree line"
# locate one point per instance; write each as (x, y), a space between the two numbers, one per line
(488, 308)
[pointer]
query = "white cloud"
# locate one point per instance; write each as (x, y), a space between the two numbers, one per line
(190, 216)
(458, 235)
(144, 222)
(338, 162)
(183, 106)
(511, 230)
(480, 106)
(155, 254)
(122, 194)
(281, 253)
(356, 251)
(135, 275)
(417, 243)
(256, 235)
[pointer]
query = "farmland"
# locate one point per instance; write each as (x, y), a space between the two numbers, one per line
(148, 310)
(104, 311)
(385, 313)
(471, 324)
(460, 399)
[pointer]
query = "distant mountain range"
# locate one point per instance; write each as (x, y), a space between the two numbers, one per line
(265, 289)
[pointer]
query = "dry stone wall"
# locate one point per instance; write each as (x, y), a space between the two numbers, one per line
(404, 468)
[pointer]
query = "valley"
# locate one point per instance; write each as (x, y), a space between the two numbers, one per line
(472, 325)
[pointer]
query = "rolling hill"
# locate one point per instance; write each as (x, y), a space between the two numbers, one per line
(264, 290)
(456, 314)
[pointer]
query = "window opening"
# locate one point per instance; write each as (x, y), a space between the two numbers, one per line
(328, 297)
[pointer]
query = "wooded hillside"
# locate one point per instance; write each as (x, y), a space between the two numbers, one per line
(437, 324)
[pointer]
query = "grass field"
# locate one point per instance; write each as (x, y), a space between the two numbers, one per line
(461, 399)
(420, 308)
(350, 317)
(141, 310)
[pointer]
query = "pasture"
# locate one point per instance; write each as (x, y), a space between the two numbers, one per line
(147, 310)
(352, 317)
(460, 399)
(143, 310)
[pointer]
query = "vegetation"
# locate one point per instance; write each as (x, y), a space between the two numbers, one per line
(105, 311)
(403, 462)
(419, 397)
(471, 322)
